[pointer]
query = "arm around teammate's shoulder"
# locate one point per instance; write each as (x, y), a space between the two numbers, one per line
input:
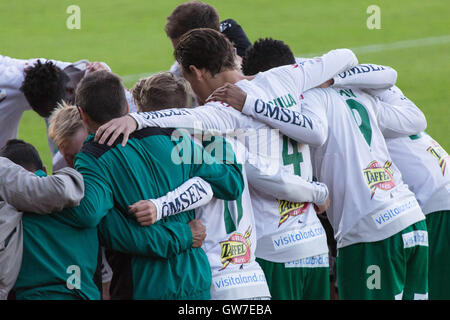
(306, 124)
(98, 199)
(222, 171)
(313, 72)
(160, 240)
(397, 116)
(25, 191)
(270, 178)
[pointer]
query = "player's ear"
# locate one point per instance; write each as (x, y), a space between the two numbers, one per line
(86, 119)
(44, 169)
(196, 72)
(83, 115)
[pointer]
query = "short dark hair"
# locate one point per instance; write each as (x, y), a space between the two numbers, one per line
(44, 87)
(191, 15)
(23, 154)
(101, 95)
(266, 54)
(205, 49)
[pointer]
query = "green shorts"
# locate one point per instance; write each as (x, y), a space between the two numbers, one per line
(438, 224)
(393, 268)
(304, 279)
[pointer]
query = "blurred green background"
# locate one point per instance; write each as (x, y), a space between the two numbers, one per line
(129, 36)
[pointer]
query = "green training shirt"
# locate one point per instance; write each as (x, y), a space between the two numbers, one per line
(59, 261)
(158, 261)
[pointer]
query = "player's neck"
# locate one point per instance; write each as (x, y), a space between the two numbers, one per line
(92, 126)
(228, 76)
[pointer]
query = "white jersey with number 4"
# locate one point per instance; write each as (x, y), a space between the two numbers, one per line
(369, 201)
(286, 230)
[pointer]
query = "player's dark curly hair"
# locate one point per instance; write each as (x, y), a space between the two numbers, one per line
(266, 54)
(205, 49)
(44, 86)
(23, 154)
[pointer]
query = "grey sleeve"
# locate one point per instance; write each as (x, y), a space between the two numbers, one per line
(26, 191)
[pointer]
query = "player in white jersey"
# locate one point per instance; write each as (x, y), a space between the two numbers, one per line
(422, 162)
(373, 213)
(230, 243)
(268, 53)
(286, 231)
(39, 84)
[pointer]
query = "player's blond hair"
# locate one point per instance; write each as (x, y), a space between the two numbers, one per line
(161, 91)
(64, 122)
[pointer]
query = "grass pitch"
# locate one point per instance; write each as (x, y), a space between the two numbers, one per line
(129, 36)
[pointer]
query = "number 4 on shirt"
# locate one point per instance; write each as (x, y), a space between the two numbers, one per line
(294, 158)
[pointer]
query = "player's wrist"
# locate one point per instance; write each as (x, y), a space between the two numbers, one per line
(337, 81)
(250, 105)
(158, 205)
(133, 122)
(322, 192)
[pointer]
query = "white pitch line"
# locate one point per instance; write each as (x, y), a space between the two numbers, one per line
(395, 45)
(430, 41)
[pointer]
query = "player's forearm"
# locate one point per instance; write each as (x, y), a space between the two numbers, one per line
(88, 214)
(226, 180)
(198, 118)
(319, 70)
(222, 172)
(366, 76)
(161, 240)
(308, 129)
(26, 191)
(97, 202)
(401, 121)
(192, 194)
(170, 118)
(398, 116)
(286, 186)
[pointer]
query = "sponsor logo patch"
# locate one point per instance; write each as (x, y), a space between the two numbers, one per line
(236, 249)
(379, 177)
(309, 262)
(290, 209)
(239, 279)
(294, 237)
(415, 238)
(441, 155)
(393, 212)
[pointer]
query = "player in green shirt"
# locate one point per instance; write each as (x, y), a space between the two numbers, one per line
(147, 167)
